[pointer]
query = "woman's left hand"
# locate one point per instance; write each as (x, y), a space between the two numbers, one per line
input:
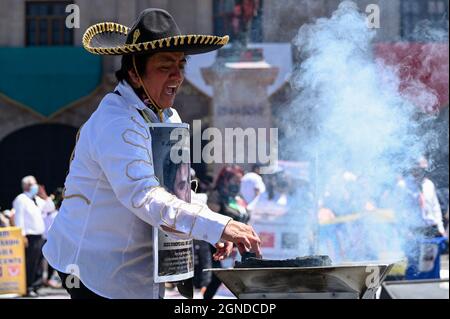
(223, 250)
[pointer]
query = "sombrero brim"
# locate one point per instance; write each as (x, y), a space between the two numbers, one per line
(108, 38)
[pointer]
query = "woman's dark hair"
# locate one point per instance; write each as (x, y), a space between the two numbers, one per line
(127, 65)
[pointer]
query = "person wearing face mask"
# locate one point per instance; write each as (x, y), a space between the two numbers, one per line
(422, 189)
(225, 199)
(30, 207)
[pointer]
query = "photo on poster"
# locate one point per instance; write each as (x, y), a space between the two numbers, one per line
(174, 257)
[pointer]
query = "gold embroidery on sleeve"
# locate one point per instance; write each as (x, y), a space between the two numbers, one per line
(138, 124)
(195, 219)
(79, 196)
(126, 140)
(148, 161)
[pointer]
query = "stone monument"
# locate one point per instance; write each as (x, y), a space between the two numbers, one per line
(240, 77)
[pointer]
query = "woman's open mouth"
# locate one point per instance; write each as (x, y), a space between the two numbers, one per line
(171, 90)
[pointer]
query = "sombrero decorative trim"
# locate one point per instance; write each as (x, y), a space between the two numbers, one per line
(191, 43)
(156, 31)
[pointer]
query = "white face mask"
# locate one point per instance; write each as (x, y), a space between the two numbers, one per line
(34, 189)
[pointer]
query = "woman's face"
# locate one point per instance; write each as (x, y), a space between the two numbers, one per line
(163, 77)
(234, 185)
(164, 73)
(236, 179)
(182, 187)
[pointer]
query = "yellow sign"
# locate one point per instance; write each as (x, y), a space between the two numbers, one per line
(12, 261)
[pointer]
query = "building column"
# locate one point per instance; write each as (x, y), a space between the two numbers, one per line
(240, 100)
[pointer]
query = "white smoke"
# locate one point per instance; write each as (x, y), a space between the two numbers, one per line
(352, 117)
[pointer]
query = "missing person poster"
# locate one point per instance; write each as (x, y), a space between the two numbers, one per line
(174, 258)
(12, 262)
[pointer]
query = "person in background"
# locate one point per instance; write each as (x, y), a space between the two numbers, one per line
(422, 194)
(422, 222)
(252, 186)
(225, 200)
(206, 184)
(57, 198)
(30, 207)
(276, 187)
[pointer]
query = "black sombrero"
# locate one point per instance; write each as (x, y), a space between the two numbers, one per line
(155, 30)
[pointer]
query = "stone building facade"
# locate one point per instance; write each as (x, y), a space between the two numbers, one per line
(20, 120)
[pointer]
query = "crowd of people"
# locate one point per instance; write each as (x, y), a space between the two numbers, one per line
(238, 194)
(351, 220)
(410, 210)
(33, 211)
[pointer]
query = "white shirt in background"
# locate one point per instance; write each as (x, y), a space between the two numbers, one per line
(29, 215)
(431, 212)
(249, 183)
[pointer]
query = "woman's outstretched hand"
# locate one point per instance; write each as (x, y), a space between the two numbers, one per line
(243, 236)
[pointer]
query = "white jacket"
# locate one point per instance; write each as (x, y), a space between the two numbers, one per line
(103, 231)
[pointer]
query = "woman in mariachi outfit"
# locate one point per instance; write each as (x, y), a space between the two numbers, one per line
(101, 241)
